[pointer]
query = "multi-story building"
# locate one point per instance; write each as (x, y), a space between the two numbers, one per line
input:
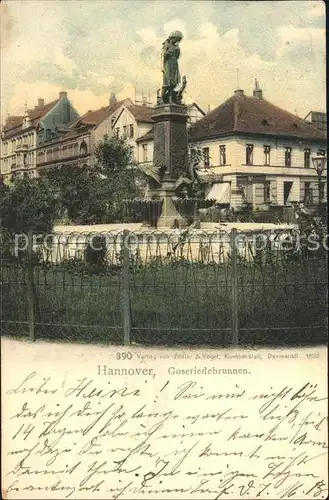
(75, 145)
(23, 135)
(132, 123)
(258, 153)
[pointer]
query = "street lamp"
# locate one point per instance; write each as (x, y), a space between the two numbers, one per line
(319, 163)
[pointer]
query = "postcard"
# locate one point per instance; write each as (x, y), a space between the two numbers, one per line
(164, 250)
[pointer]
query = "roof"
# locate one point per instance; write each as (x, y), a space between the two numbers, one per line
(97, 116)
(252, 115)
(142, 113)
(14, 123)
(37, 113)
(194, 104)
(93, 117)
(146, 137)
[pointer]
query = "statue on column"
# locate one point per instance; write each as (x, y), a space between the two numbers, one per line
(173, 86)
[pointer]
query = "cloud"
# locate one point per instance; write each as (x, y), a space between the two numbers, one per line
(92, 48)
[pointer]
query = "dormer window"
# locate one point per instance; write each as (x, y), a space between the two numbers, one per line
(295, 125)
(265, 122)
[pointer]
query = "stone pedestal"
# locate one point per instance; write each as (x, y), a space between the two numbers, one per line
(170, 157)
(170, 217)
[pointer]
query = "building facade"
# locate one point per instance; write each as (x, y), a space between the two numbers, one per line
(22, 136)
(133, 123)
(258, 153)
(75, 145)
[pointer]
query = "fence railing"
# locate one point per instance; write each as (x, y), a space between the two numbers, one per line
(184, 286)
(149, 211)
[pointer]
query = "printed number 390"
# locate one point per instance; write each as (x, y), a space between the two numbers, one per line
(124, 355)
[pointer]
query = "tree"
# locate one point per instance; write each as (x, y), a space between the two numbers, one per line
(79, 193)
(28, 204)
(120, 176)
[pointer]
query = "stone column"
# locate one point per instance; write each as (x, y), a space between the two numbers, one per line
(170, 157)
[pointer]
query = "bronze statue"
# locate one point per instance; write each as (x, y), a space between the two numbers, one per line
(172, 87)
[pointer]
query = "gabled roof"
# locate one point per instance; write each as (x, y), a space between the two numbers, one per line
(39, 112)
(142, 113)
(194, 104)
(14, 124)
(252, 115)
(93, 117)
(97, 116)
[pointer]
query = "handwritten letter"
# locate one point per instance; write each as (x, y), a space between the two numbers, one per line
(107, 423)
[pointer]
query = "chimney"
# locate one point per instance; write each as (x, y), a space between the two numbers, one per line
(257, 91)
(239, 92)
(113, 99)
(62, 94)
(41, 102)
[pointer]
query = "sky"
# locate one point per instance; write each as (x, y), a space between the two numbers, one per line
(91, 48)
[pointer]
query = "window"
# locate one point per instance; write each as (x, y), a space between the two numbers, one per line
(307, 158)
(25, 159)
(125, 131)
(308, 194)
(206, 159)
(48, 134)
(287, 157)
(145, 157)
(267, 192)
(83, 148)
(249, 154)
(267, 155)
(321, 191)
(222, 155)
(132, 151)
(117, 131)
(131, 130)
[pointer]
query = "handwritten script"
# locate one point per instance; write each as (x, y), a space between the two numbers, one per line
(76, 435)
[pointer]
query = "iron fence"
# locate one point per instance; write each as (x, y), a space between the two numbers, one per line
(160, 287)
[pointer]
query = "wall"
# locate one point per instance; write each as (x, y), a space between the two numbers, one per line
(105, 127)
(18, 154)
(125, 120)
(64, 151)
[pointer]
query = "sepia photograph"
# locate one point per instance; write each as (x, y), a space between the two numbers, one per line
(163, 229)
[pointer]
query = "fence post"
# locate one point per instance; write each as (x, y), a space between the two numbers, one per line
(30, 286)
(234, 283)
(126, 290)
